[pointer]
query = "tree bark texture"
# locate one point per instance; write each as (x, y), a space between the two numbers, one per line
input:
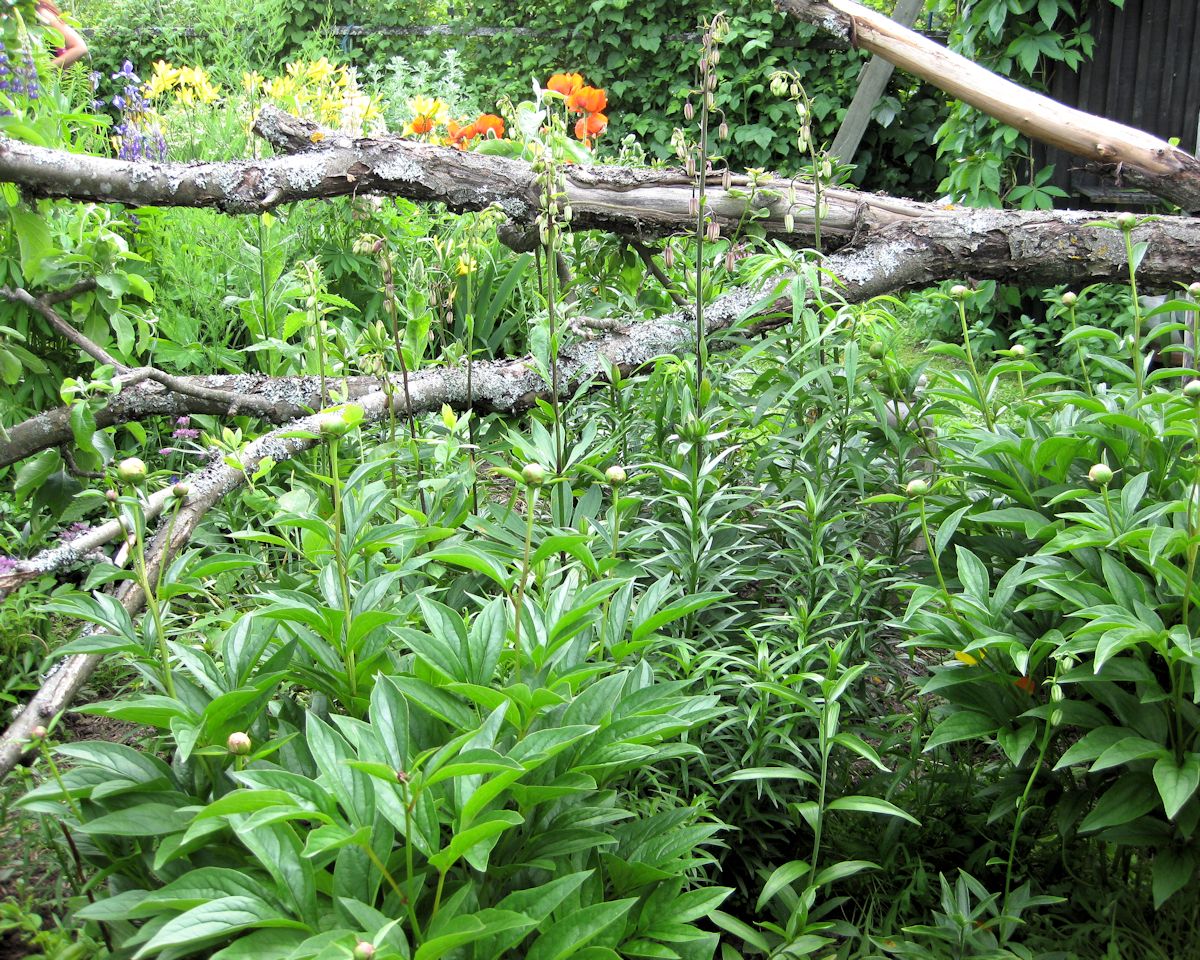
(1110, 147)
(641, 204)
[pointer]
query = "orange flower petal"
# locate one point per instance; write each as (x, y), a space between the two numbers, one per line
(565, 83)
(596, 124)
(489, 123)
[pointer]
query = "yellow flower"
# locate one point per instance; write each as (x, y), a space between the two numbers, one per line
(968, 659)
(162, 79)
(428, 113)
(466, 265)
(252, 81)
(280, 87)
(320, 70)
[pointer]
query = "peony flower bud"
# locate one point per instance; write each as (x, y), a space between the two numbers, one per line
(917, 488)
(132, 470)
(1069, 299)
(615, 475)
(38, 733)
(1101, 474)
(876, 350)
(238, 744)
(960, 292)
(364, 950)
(1194, 291)
(1191, 391)
(180, 491)
(1126, 221)
(1017, 350)
(534, 474)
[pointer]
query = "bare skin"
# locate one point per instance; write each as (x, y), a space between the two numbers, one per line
(73, 48)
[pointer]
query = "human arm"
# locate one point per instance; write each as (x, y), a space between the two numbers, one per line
(73, 48)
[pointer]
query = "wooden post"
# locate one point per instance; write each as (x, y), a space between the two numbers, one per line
(871, 84)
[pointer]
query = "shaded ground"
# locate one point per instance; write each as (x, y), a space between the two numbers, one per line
(36, 873)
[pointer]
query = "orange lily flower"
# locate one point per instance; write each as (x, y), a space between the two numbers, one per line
(565, 83)
(587, 100)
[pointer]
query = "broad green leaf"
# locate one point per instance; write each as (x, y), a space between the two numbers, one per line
(470, 927)
(961, 725)
(783, 876)
(214, 921)
(871, 805)
(1130, 797)
(1176, 782)
(569, 935)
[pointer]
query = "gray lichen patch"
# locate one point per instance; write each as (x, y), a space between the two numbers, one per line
(390, 163)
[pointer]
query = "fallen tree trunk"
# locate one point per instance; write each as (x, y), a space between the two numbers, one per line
(83, 548)
(274, 399)
(640, 204)
(1110, 147)
(1029, 248)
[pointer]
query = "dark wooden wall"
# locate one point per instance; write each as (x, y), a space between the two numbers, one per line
(1144, 72)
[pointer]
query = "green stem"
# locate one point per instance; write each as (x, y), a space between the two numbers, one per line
(143, 579)
(531, 507)
(49, 758)
(1022, 805)
(701, 201)
(437, 896)
(408, 859)
(1112, 523)
(1087, 379)
(1139, 362)
(387, 875)
(340, 560)
(983, 404)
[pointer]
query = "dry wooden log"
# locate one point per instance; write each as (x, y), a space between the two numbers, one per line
(1028, 248)
(642, 204)
(80, 549)
(274, 399)
(1110, 147)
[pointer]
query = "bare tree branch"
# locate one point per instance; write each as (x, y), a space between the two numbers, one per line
(60, 326)
(84, 548)
(645, 204)
(274, 399)
(1114, 148)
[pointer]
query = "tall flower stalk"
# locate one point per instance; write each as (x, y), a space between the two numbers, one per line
(697, 164)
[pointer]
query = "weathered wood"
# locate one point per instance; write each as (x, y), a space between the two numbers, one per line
(274, 399)
(1137, 157)
(871, 83)
(642, 204)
